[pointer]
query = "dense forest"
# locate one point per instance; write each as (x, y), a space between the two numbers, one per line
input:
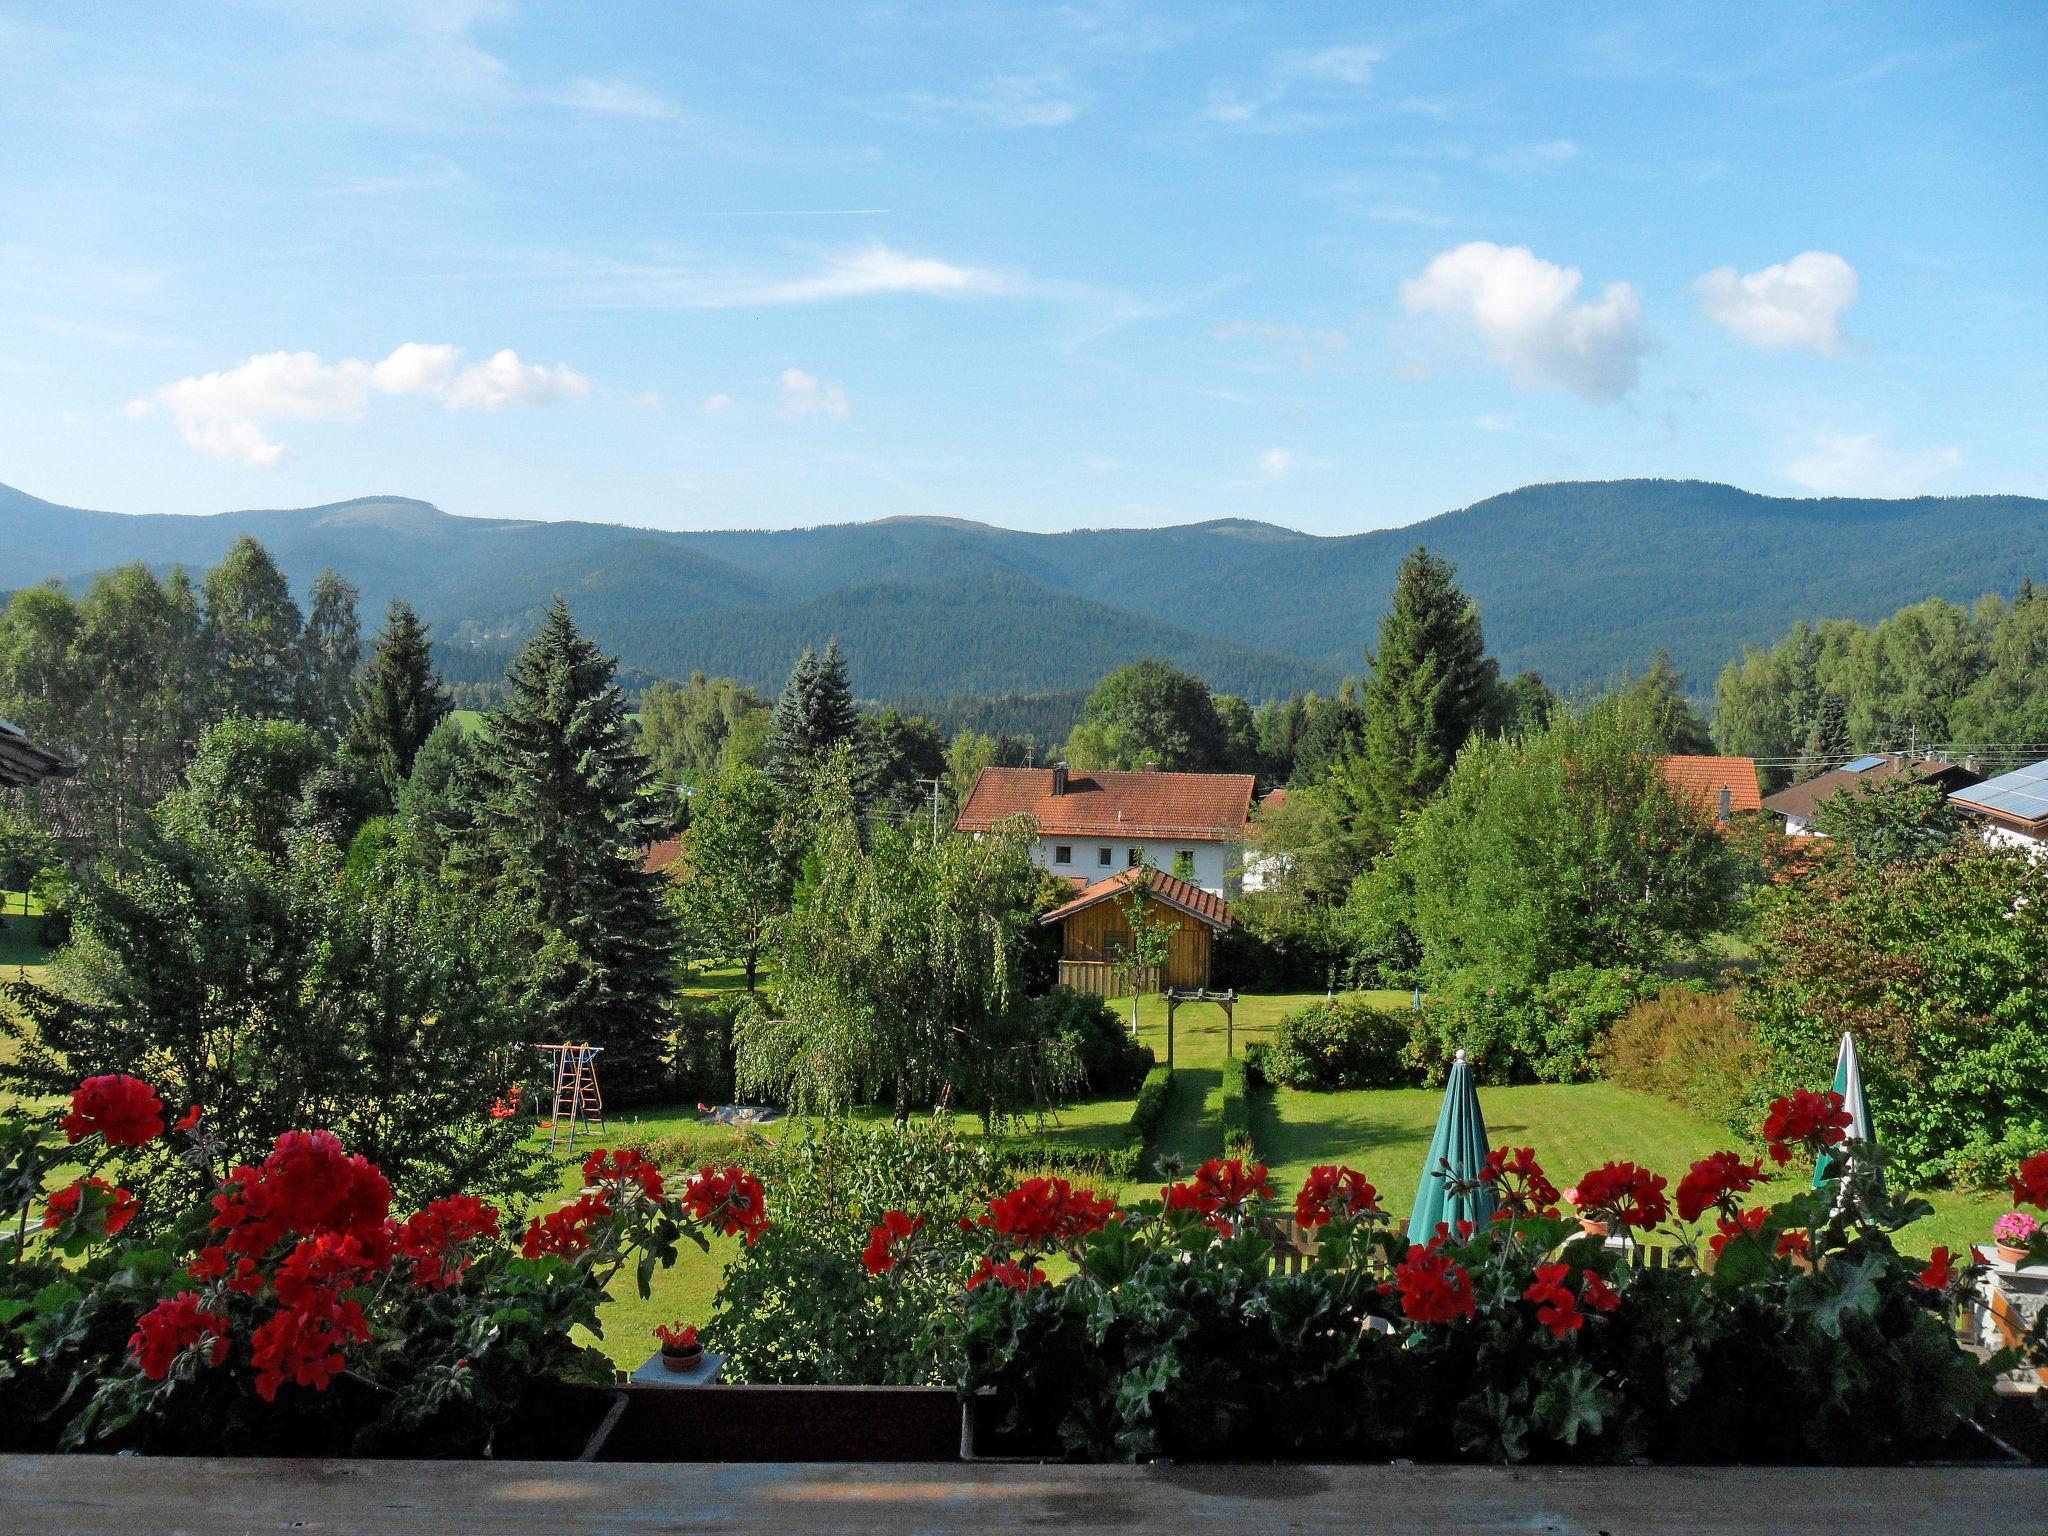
(1578, 581)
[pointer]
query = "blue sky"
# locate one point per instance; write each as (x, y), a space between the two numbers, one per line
(1332, 266)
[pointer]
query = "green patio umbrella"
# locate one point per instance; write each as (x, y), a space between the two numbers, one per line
(1849, 1084)
(1460, 1140)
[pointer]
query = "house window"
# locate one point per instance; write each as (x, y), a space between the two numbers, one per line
(1063, 853)
(1185, 859)
(1135, 855)
(1102, 857)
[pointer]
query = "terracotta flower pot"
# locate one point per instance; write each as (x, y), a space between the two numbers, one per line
(2011, 1255)
(1591, 1227)
(682, 1359)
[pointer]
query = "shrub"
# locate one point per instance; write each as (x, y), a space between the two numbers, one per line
(799, 1306)
(1153, 1099)
(694, 1146)
(700, 1050)
(1026, 1157)
(1341, 1042)
(1936, 966)
(1690, 1046)
(57, 892)
(1112, 1063)
(1237, 1110)
(1513, 1034)
(1985, 1162)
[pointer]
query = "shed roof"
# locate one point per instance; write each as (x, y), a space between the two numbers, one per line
(1169, 889)
(1703, 778)
(2018, 798)
(1191, 807)
(1804, 798)
(23, 763)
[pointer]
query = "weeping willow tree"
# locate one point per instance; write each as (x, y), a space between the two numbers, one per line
(900, 974)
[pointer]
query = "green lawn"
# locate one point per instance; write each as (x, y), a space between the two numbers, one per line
(1385, 1133)
(22, 955)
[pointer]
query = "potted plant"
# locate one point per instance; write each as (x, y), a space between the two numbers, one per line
(1589, 1225)
(2014, 1232)
(680, 1350)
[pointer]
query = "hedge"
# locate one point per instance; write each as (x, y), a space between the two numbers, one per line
(1153, 1099)
(1237, 1110)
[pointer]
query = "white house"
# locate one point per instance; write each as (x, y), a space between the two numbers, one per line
(1093, 824)
(2011, 811)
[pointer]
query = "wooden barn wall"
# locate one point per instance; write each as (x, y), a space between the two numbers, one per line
(1099, 935)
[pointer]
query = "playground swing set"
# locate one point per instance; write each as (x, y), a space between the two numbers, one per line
(577, 1099)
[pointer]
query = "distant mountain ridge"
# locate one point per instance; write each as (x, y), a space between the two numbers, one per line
(1579, 580)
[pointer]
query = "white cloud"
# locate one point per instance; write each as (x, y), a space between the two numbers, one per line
(1047, 100)
(1534, 159)
(805, 394)
(1276, 463)
(504, 382)
(1864, 464)
(619, 98)
(718, 405)
(1401, 213)
(1522, 308)
(226, 414)
(878, 269)
(1321, 73)
(1796, 305)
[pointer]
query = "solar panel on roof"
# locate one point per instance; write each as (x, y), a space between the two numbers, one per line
(1863, 765)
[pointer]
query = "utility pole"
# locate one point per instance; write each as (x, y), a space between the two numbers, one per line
(934, 784)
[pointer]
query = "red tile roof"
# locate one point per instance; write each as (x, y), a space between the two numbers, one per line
(656, 857)
(1174, 892)
(1804, 798)
(1702, 778)
(1188, 806)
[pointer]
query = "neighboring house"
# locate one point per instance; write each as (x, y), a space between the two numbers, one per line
(2011, 810)
(1093, 825)
(23, 763)
(1798, 804)
(1723, 787)
(1095, 934)
(663, 857)
(1262, 869)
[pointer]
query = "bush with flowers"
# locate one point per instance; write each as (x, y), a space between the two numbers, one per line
(296, 1312)
(1793, 1332)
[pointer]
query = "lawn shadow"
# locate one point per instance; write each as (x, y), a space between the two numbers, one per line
(1190, 1131)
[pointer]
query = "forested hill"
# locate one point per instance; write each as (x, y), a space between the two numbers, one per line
(1578, 580)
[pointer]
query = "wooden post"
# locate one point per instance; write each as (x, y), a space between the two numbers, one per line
(1172, 1006)
(1230, 1023)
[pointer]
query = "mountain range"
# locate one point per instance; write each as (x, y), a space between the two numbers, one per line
(1578, 580)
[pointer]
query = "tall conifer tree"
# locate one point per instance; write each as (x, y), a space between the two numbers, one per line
(814, 714)
(332, 648)
(1429, 687)
(252, 635)
(562, 816)
(400, 701)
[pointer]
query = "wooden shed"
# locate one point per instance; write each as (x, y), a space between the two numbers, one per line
(1095, 938)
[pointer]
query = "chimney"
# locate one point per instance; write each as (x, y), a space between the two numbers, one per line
(1727, 802)
(1151, 767)
(1059, 778)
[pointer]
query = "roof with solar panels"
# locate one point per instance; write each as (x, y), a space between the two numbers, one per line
(2017, 799)
(1871, 768)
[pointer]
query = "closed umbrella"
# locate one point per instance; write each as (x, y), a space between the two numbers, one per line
(1849, 1084)
(1460, 1141)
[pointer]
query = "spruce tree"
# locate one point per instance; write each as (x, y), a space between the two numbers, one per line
(563, 813)
(814, 714)
(1429, 686)
(331, 648)
(252, 633)
(400, 700)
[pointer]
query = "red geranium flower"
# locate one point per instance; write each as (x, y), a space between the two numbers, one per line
(1939, 1274)
(1730, 1229)
(2030, 1186)
(1624, 1194)
(1597, 1293)
(621, 1168)
(896, 1229)
(125, 1110)
(1715, 1181)
(437, 1239)
(212, 1264)
(94, 1202)
(170, 1328)
(1047, 1213)
(1014, 1277)
(1330, 1191)
(1814, 1120)
(1556, 1307)
(731, 1200)
(566, 1232)
(189, 1120)
(1519, 1182)
(1434, 1288)
(677, 1336)
(304, 1345)
(1793, 1245)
